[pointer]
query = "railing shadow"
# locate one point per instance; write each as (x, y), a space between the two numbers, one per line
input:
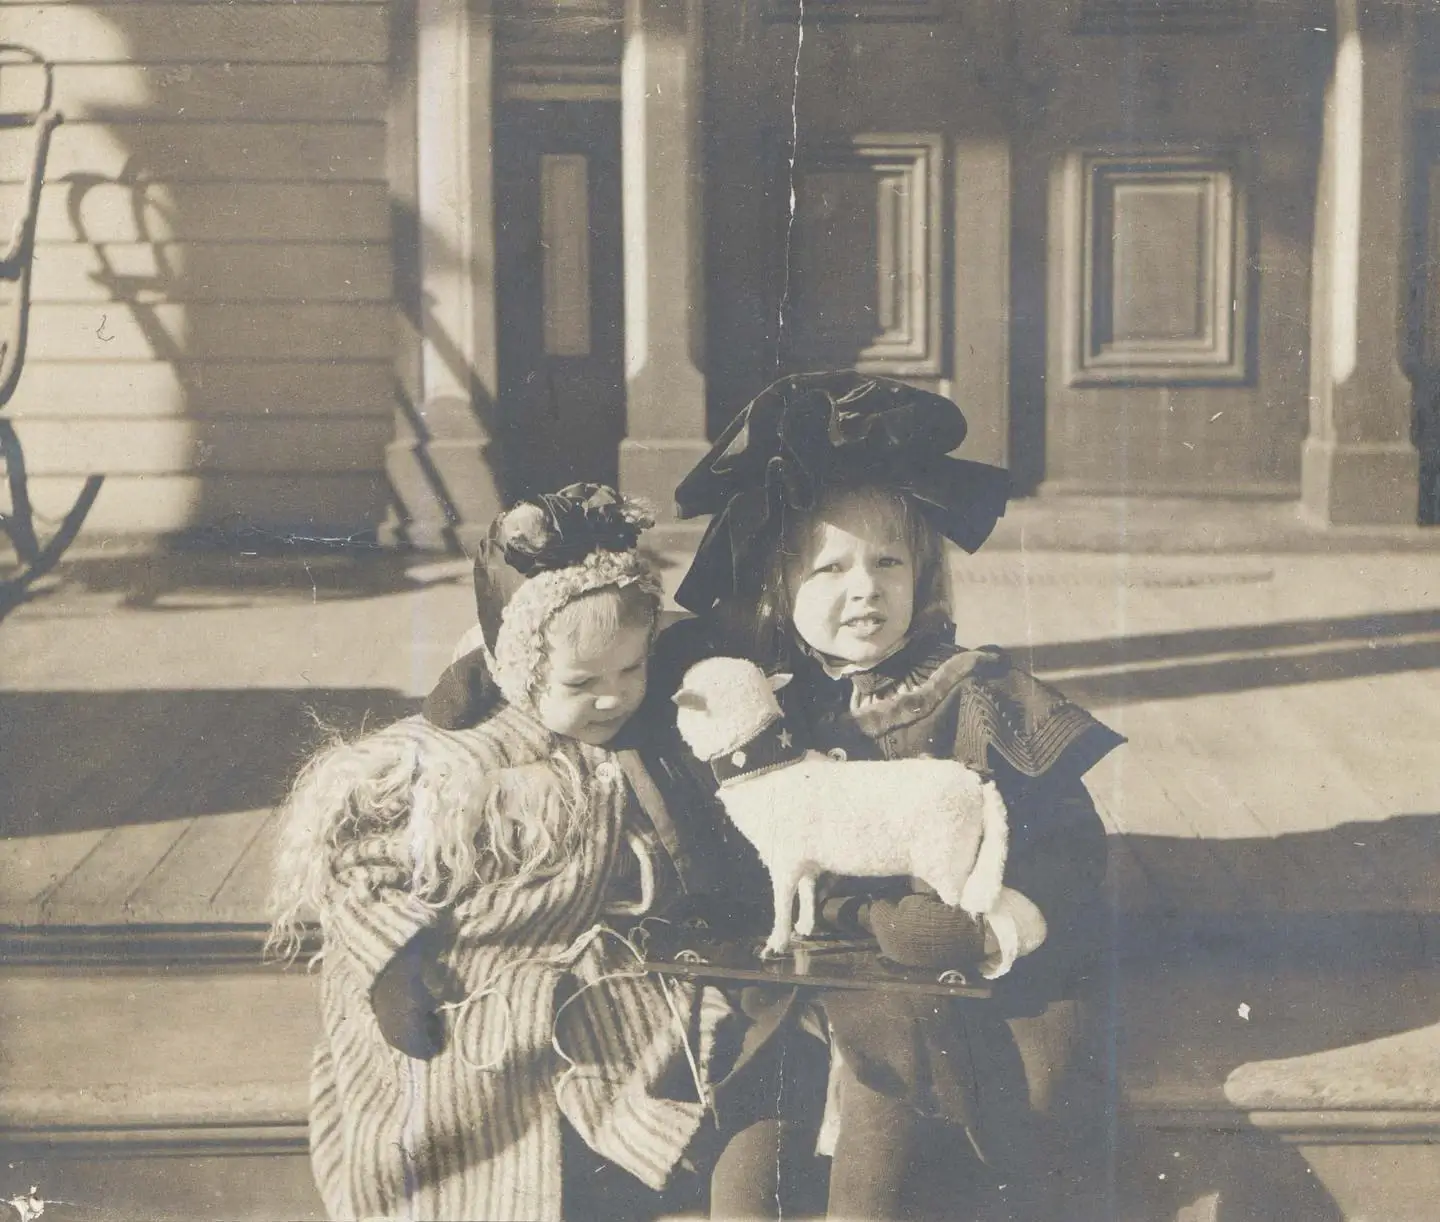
(1175, 665)
(34, 557)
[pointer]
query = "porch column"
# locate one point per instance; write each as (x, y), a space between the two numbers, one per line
(443, 464)
(664, 275)
(1359, 465)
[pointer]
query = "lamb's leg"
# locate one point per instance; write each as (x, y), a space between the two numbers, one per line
(783, 882)
(805, 925)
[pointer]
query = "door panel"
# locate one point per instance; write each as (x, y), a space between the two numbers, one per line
(560, 268)
(1178, 160)
(834, 163)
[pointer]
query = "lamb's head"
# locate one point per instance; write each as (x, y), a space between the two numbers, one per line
(723, 703)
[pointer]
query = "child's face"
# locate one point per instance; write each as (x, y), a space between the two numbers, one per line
(592, 690)
(853, 586)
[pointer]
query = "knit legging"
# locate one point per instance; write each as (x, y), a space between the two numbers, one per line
(887, 1163)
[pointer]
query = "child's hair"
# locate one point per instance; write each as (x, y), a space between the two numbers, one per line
(757, 621)
(588, 622)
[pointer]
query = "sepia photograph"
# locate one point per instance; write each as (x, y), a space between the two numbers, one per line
(663, 610)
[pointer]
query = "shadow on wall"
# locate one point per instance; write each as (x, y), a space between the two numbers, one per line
(215, 289)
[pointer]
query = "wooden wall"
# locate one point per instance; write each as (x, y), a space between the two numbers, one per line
(1209, 130)
(212, 326)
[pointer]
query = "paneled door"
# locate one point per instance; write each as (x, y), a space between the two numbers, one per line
(858, 200)
(1166, 161)
(559, 287)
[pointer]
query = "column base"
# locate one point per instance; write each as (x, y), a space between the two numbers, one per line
(652, 467)
(1376, 484)
(447, 494)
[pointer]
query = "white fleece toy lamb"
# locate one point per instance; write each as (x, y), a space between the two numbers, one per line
(807, 814)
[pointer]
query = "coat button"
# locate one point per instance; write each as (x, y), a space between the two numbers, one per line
(837, 754)
(739, 759)
(605, 771)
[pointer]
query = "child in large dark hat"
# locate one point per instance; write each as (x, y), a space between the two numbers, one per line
(831, 496)
(811, 432)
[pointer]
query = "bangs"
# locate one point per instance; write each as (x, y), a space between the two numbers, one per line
(879, 508)
(757, 620)
(589, 623)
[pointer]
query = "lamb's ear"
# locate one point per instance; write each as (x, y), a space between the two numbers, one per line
(685, 698)
(779, 681)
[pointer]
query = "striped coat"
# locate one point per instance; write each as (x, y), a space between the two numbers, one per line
(476, 1132)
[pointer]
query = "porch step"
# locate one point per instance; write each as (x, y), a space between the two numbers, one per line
(155, 1075)
(162, 1074)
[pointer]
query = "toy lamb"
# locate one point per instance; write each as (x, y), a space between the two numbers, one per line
(935, 820)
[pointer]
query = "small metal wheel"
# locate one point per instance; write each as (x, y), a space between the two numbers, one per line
(953, 976)
(695, 924)
(690, 956)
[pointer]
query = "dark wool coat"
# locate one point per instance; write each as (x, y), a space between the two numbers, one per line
(991, 1065)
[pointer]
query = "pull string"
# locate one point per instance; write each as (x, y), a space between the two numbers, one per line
(566, 959)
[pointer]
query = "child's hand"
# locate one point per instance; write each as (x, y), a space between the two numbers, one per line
(404, 998)
(921, 931)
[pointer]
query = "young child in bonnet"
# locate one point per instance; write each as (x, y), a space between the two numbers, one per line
(490, 1048)
(831, 496)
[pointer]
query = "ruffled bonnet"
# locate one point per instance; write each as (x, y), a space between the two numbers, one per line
(542, 554)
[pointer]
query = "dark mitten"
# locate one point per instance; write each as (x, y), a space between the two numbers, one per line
(922, 931)
(404, 998)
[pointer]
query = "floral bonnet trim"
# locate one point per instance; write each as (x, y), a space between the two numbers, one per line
(567, 544)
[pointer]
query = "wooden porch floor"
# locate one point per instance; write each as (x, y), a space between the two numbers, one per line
(1282, 713)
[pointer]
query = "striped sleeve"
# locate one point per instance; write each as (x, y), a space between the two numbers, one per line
(627, 1038)
(375, 913)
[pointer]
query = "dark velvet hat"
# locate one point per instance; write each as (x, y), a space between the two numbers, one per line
(811, 432)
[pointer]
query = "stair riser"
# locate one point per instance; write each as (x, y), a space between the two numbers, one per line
(160, 1187)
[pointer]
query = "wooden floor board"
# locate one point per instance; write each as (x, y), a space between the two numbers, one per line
(241, 898)
(240, 790)
(96, 889)
(49, 781)
(1130, 885)
(184, 882)
(31, 866)
(1384, 734)
(126, 854)
(1183, 869)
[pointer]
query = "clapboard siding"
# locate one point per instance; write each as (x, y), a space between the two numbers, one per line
(217, 212)
(208, 331)
(264, 444)
(213, 321)
(197, 152)
(202, 33)
(98, 390)
(229, 271)
(164, 389)
(229, 92)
